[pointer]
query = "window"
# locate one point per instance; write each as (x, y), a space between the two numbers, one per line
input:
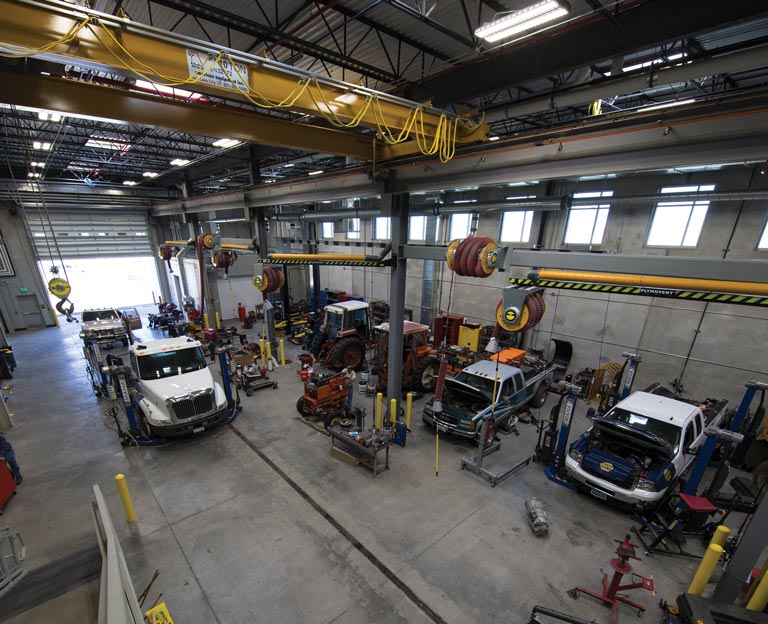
(516, 226)
(586, 224)
(326, 229)
(678, 223)
(353, 228)
(381, 228)
(689, 436)
(417, 228)
(763, 242)
(460, 225)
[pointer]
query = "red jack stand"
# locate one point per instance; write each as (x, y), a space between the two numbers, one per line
(620, 565)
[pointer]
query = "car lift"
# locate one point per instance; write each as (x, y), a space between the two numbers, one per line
(619, 393)
(94, 358)
(117, 374)
(551, 449)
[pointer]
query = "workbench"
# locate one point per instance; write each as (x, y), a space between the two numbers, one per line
(365, 448)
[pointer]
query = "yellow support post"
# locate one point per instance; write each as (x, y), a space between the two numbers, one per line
(706, 569)
(269, 350)
(392, 414)
(263, 351)
(282, 351)
(760, 596)
(408, 410)
(721, 534)
(205, 320)
(756, 582)
(379, 409)
(218, 320)
(125, 497)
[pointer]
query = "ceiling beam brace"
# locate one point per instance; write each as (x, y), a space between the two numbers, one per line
(69, 96)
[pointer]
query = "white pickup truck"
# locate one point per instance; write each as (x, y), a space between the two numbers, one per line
(104, 325)
(632, 453)
(175, 392)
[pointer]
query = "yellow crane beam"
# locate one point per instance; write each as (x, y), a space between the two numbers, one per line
(64, 33)
(70, 96)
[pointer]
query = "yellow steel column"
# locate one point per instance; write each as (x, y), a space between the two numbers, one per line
(721, 534)
(706, 569)
(408, 410)
(392, 413)
(379, 409)
(282, 351)
(125, 498)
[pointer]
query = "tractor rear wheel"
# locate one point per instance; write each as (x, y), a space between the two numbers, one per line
(302, 408)
(349, 352)
(424, 376)
(318, 339)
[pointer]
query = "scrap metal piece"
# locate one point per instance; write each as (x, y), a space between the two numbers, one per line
(537, 517)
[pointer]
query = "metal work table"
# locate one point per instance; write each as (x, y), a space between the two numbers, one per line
(369, 456)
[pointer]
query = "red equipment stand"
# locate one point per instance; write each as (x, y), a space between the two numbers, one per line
(7, 484)
(621, 567)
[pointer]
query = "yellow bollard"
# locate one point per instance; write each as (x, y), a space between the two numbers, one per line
(218, 320)
(269, 350)
(379, 409)
(282, 351)
(408, 410)
(721, 534)
(760, 595)
(437, 450)
(706, 569)
(125, 498)
(205, 318)
(392, 413)
(263, 351)
(756, 582)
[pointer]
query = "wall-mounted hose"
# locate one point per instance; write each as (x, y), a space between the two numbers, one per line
(530, 315)
(223, 260)
(270, 280)
(472, 257)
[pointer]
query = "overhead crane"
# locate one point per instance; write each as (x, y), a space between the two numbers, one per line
(60, 32)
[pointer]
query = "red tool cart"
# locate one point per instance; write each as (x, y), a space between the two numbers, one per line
(7, 484)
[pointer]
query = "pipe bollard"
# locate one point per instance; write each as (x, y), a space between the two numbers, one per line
(437, 450)
(756, 582)
(205, 320)
(392, 414)
(706, 569)
(218, 320)
(379, 409)
(282, 351)
(760, 595)
(408, 410)
(269, 349)
(125, 497)
(263, 352)
(721, 534)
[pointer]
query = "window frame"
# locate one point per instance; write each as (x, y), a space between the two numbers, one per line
(376, 228)
(357, 233)
(322, 230)
(527, 234)
(424, 228)
(669, 200)
(763, 234)
(451, 222)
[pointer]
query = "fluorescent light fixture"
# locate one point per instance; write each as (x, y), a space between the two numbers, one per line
(289, 165)
(528, 183)
(463, 201)
(47, 116)
(106, 144)
(226, 143)
(41, 145)
(522, 20)
(493, 138)
(516, 197)
(33, 174)
(129, 183)
(77, 167)
(667, 105)
(150, 174)
(172, 91)
(36, 164)
(179, 162)
(318, 172)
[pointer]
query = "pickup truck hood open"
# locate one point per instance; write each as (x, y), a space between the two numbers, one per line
(632, 434)
(159, 390)
(460, 387)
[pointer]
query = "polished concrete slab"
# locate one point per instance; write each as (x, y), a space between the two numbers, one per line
(276, 530)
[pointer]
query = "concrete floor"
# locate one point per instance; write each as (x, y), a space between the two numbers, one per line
(235, 542)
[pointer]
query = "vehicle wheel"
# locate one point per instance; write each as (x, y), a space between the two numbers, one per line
(302, 408)
(424, 376)
(349, 352)
(250, 392)
(508, 424)
(540, 397)
(274, 385)
(318, 339)
(333, 419)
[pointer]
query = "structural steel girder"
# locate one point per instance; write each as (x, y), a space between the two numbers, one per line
(165, 57)
(69, 96)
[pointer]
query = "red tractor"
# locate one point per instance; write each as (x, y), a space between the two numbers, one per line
(420, 362)
(323, 398)
(342, 340)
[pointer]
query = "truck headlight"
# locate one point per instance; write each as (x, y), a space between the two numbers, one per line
(645, 485)
(575, 455)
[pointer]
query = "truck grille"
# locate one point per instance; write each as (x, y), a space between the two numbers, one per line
(448, 420)
(621, 472)
(192, 405)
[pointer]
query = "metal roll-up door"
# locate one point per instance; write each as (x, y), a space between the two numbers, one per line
(90, 234)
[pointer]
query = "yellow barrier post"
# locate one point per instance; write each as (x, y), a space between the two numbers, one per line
(760, 596)
(205, 319)
(437, 450)
(218, 320)
(282, 351)
(125, 497)
(756, 582)
(379, 409)
(706, 569)
(269, 350)
(263, 352)
(721, 534)
(408, 410)
(392, 413)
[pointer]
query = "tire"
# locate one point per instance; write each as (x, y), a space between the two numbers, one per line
(760, 476)
(349, 352)
(302, 409)
(540, 397)
(250, 392)
(423, 377)
(125, 342)
(333, 418)
(318, 340)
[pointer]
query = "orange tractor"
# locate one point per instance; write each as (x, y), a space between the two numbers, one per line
(342, 340)
(420, 361)
(324, 395)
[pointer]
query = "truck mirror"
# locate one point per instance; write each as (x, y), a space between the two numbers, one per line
(591, 413)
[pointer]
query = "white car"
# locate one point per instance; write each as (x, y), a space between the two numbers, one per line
(104, 325)
(175, 391)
